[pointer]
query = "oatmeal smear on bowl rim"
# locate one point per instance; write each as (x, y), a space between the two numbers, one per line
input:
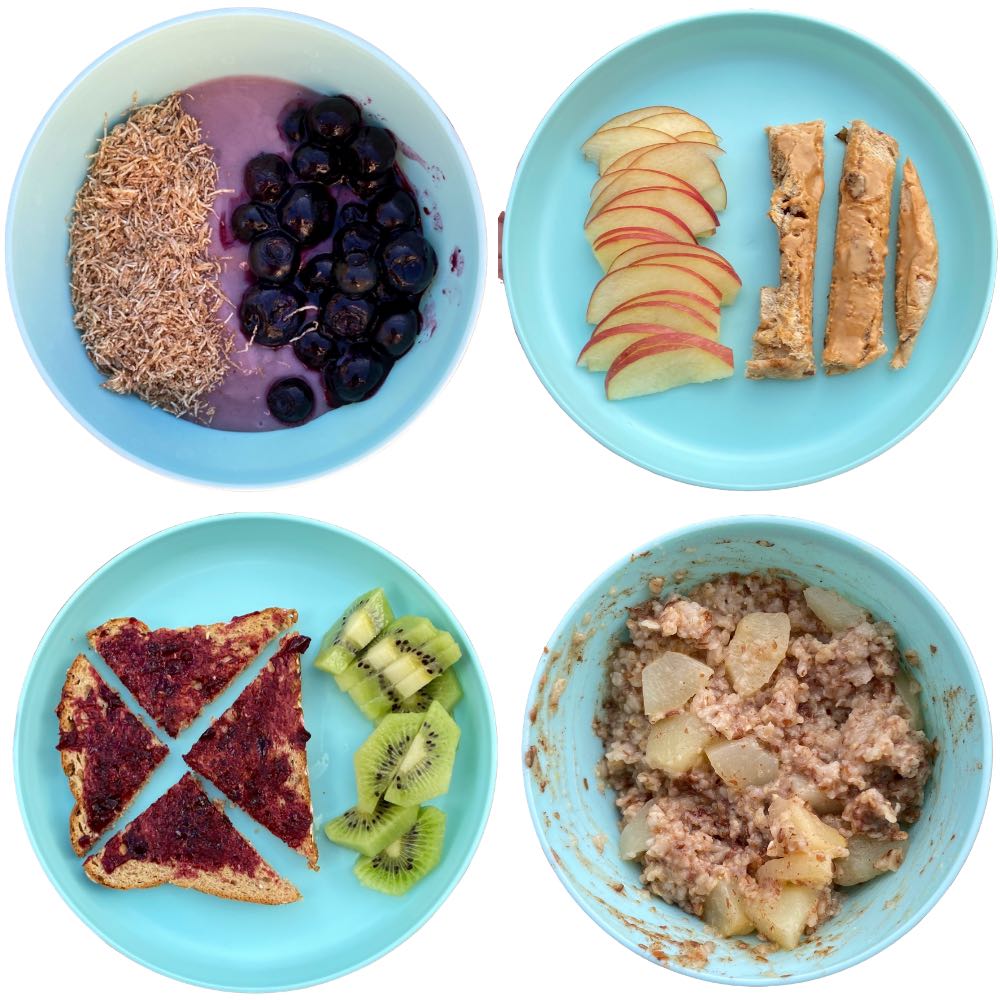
(765, 748)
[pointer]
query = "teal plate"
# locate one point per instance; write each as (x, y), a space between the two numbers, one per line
(208, 571)
(741, 72)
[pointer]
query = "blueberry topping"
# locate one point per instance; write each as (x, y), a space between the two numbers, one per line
(317, 274)
(371, 153)
(273, 258)
(395, 210)
(293, 125)
(360, 238)
(290, 400)
(348, 318)
(306, 213)
(397, 332)
(314, 349)
(252, 219)
(409, 263)
(333, 121)
(355, 375)
(271, 316)
(266, 178)
(356, 273)
(316, 163)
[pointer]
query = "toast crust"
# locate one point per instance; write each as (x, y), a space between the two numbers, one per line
(854, 329)
(174, 673)
(185, 839)
(783, 343)
(256, 751)
(106, 775)
(916, 264)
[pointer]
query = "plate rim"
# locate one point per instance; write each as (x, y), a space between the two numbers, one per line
(623, 450)
(765, 523)
(468, 172)
(55, 624)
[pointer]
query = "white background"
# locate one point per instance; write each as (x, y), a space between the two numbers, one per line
(539, 509)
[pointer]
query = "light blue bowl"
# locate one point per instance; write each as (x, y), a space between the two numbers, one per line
(740, 72)
(569, 808)
(178, 54)
(209, 570)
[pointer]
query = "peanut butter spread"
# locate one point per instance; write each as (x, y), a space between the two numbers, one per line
(854, 328)
(782, 345)
(916, 264)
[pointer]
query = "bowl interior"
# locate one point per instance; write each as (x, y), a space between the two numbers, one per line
(570, 808)
(175, 56)
(208, 571)
(740, 72)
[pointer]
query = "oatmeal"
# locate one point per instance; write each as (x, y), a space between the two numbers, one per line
(764, 748)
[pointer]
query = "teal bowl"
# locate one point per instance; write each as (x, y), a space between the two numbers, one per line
(741, 71)
(170, 57)
(569, 809)
(209, 570)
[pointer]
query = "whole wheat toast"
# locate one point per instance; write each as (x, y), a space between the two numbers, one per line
(107, 752)
(256, 751)
(174, 673)
(185, 839)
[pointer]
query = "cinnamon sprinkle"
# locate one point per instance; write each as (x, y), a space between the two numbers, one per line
(144, 286)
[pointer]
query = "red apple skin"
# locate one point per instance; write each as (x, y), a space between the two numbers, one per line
(671, 180)
(663, 249)
(612, 319)
(668, 217)
(694, 195)
(693, 300)
(664, 343)
(625, 233)
(668, 269)
(642, 330)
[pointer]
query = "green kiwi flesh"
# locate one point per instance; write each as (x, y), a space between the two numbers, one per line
(423, 771)
(370, 832)
(445, 689)
(359, 625)
(402, 634)
(376, 760)
(404, 862)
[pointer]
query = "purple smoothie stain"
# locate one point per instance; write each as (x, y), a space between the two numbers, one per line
(457, 262)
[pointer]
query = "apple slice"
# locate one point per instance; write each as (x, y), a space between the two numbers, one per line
(676, 313)
(690, 161)
(631, 117)
(616, 241)
(603, 148)
(655, 249)
(632, 157)
(614, 289)
(636, 177)
(600, 351)
(674, 123)
(710, 266)
(699, 136)
(664, 361)
(688, 206)
(630, 311)
(636, 217)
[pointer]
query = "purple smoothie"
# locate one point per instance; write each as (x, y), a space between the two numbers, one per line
(239, 118)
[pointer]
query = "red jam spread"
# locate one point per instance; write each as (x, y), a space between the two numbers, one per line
(119, 754)
(174, 673)
(247, 753)
(182, 829)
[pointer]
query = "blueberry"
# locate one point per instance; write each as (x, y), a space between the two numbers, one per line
(409, 263)
(348, 318)
(291, 400)
(317, 274)
(367, 188)
(315, 163)
(266, 178)
(252, 219)
(395, 210)
(306, 213)
(271, 316)
(273, 258)
(333, 121)
(360, 238)
(314, 349)
(293, 125)
(356, 274)
(352, 214)
(355, 375)
(371, 153)
(397, 332)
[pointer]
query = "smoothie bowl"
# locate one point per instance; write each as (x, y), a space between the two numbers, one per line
(241, 222)
(746, 821)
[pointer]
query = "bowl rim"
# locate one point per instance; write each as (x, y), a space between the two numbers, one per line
(623, 449)
(768, 523)
(272, 518)
(467, 173)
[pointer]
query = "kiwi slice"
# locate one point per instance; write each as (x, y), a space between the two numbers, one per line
(370, 832)
(360, 624)
(397, 868)
(403, 634)
(424, 770)
(376, 697)
(445, 689)
(376, 760)
(423, 665)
